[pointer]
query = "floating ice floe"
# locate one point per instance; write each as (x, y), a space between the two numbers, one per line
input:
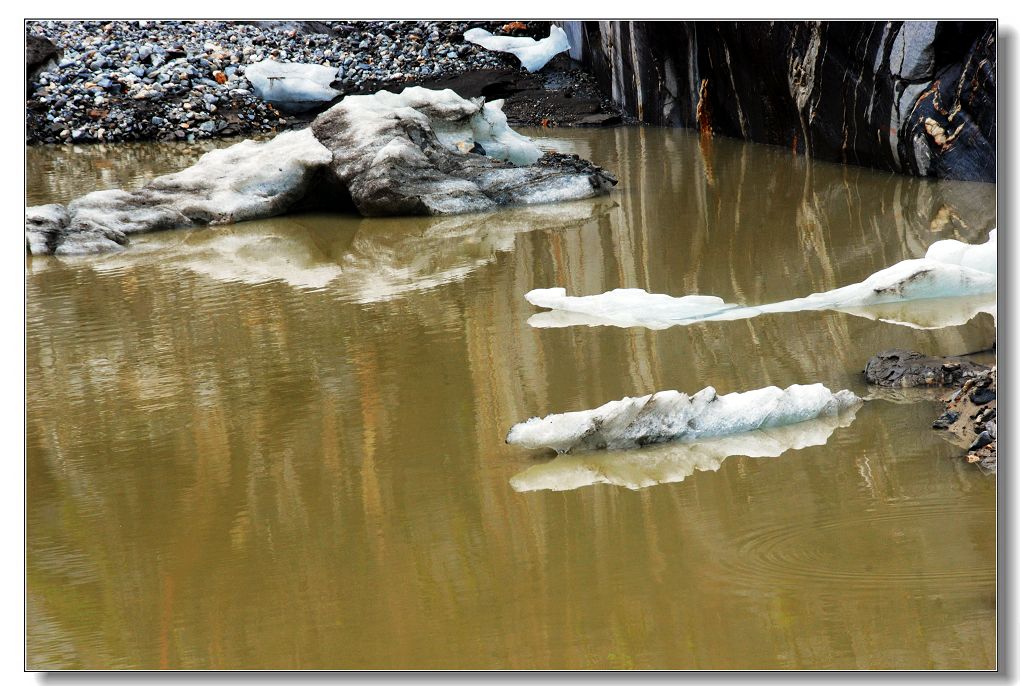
(675, 416)
(953, 282)
(533, 54)
(294, 87)
(419, 152)
(674, 462)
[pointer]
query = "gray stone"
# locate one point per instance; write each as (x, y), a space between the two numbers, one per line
(909, 369)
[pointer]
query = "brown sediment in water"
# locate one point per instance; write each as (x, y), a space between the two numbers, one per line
(241, 444)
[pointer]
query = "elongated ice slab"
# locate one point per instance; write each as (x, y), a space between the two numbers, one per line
(674, 462)
(296, 86)
(953, 282)
(533, 54)
(675, 416)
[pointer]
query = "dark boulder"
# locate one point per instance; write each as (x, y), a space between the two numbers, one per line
(40, 53)
(909, 369)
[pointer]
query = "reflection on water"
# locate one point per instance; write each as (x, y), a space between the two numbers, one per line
(291, 454)
(673, 462)
(363, 260)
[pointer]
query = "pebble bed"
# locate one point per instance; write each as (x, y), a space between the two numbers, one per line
(184, 80)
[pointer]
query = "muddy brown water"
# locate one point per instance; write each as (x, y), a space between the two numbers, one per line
(281, 444)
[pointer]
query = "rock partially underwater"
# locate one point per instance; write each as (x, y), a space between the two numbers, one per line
(674, 462)
(418, 152)
(952, 283)
(674, 416)
(898, 368)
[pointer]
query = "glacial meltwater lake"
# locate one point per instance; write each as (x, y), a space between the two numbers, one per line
(280, 444)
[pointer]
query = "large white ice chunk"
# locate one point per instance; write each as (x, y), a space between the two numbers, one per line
(417, 152)
(293, 86)
(674, 462)
(248, 180)
(952, 283)
(675, 416)
(458, 123)
(533, 54)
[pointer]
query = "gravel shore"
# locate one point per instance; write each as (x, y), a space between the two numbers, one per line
(184, 80)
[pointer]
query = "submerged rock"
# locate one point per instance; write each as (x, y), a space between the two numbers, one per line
(908, 369)
(674, 416)
(385, 154)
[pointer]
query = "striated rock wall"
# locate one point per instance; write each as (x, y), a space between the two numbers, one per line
(916, 97)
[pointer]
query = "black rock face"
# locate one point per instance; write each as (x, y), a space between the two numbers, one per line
(915, 97)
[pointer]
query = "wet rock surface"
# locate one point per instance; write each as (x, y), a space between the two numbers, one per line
(185, 80)
(916, 97)
(909, 369)
(970, 419)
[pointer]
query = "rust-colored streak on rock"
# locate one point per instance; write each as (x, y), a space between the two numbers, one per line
(704, 111)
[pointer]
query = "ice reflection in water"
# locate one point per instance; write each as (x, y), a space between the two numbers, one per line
(364, 260)
(673, 462)
(224, 473)
(952, 283)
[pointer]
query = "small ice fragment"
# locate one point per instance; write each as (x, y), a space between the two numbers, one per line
(533, 54)
(674, 416)
(294, 86)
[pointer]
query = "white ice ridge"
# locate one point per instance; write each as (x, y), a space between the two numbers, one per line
(674, 462)
(533, 54)
(458, 123)
(675, 416)
(299, 86)
(960, 276)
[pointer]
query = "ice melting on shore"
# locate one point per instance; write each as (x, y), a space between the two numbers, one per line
(248, 180)
(293, 86)
(953, 282)
(674, 462)
(533, 54)
(675, 416)
(418, 152)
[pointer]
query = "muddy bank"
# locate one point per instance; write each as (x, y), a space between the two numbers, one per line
(970, 419)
